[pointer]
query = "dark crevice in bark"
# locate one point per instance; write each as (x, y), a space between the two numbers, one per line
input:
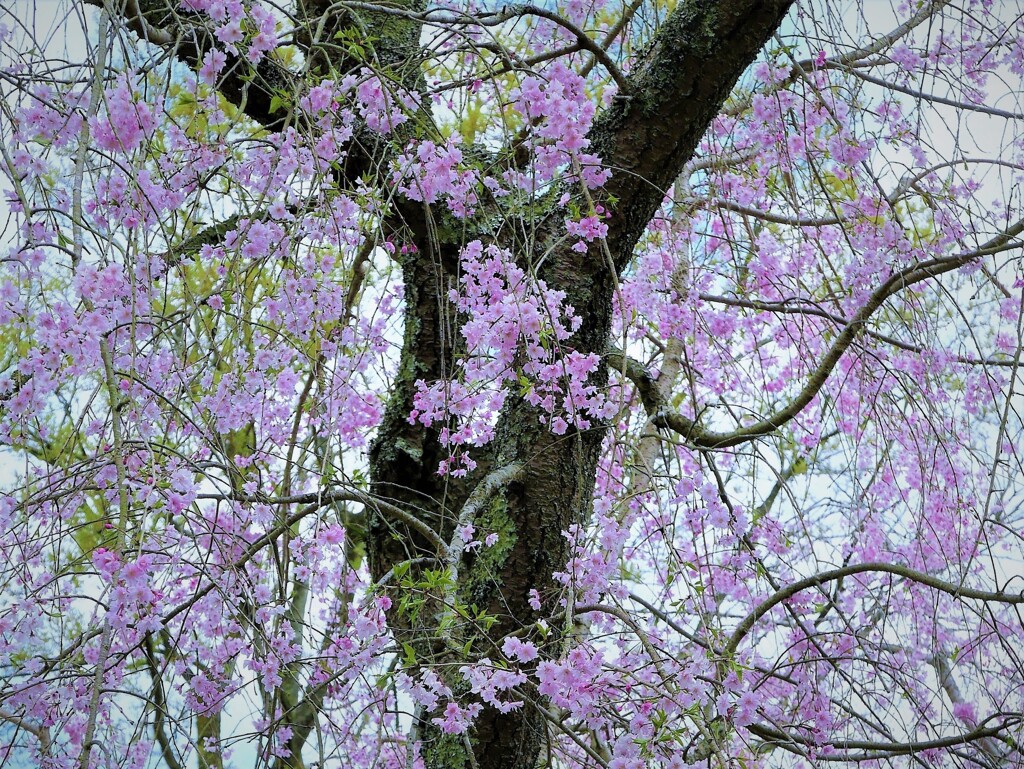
(404, 457)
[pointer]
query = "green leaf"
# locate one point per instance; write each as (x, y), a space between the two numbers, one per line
(409, 660)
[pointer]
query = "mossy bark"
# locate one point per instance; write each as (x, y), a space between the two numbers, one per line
(646, 136)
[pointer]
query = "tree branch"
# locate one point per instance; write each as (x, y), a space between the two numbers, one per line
(41, 733)
(701, 437)
(880, 750)
(957, 591)
(249, 87)
(680, 84)
(480, 495)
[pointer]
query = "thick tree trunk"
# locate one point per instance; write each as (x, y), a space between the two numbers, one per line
(646, 136)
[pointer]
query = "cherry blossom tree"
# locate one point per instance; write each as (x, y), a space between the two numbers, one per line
(586, 384)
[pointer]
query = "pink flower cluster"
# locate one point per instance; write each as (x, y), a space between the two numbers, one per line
(515, 333)
(128, 121)
(579, 683)
(559, 113)
(587, 229)
(382, 104)
(491, 682)
(429, 172)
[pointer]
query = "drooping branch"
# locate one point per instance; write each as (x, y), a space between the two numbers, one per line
(817, 580)
(935, 98)
(649, 134)
(249, 87)
(316, 500)
(699, 436)
(159, 703)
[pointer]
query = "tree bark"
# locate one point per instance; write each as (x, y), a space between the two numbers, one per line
(646, 136)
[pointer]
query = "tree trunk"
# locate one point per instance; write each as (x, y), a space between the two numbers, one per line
(645, 136)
